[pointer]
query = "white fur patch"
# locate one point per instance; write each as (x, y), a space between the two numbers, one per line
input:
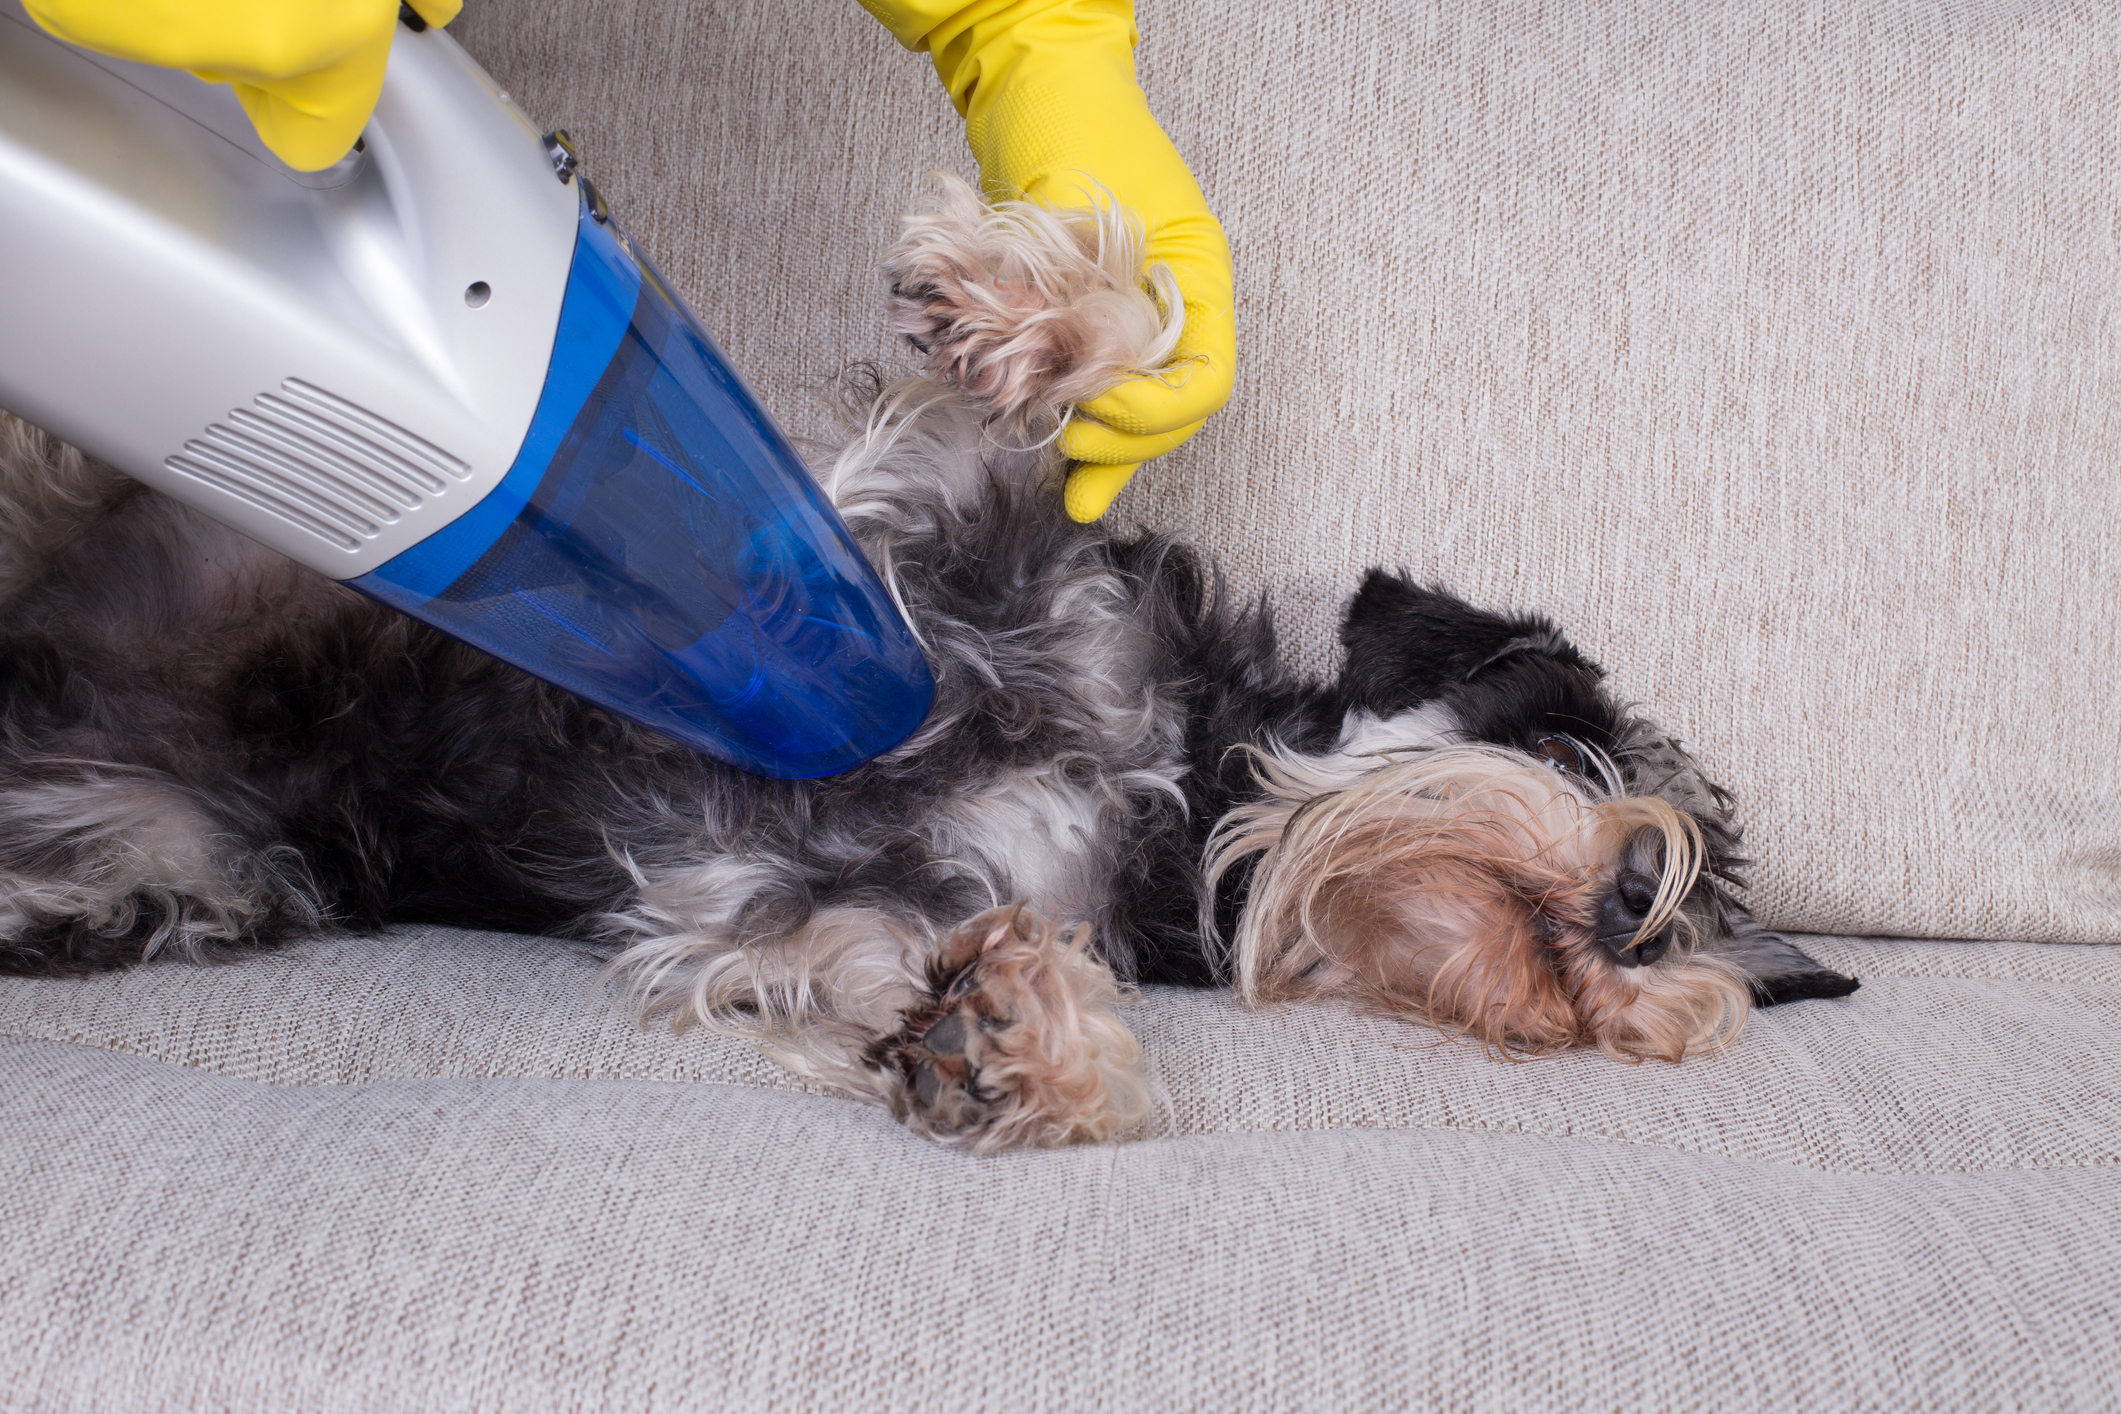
(1421, 728)
(1035, 835)
(125, 842)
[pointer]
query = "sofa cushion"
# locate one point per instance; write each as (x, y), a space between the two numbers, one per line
(1954, 1057)
(434, 1171)
(1775, 349)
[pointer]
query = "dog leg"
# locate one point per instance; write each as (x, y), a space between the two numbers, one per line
(1002, 1035)
(106, 866)
(1016, 1041)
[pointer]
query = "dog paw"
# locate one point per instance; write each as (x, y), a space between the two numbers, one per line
(1016, 1043)
(1024, 308)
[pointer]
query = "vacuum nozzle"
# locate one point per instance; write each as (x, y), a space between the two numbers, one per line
(658, 547)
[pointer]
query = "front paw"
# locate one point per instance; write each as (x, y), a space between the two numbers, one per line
(1016, 1042)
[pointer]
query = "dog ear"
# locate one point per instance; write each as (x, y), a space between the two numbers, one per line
(1408, 644)
(1778, 971)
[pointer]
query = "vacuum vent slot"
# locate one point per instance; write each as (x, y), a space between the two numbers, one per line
(268, 491)
(378, 436)
(312, 438)
(320, 462)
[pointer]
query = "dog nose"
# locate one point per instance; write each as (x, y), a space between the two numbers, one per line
(1620, 917)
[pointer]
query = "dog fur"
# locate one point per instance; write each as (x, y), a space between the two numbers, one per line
(205, 749)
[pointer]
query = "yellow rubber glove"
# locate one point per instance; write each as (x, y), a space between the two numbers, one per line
(307, 71)
(1052, 111)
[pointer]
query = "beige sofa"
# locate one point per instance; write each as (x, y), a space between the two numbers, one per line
(1774, 349)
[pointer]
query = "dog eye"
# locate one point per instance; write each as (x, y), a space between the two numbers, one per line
(1562, 754)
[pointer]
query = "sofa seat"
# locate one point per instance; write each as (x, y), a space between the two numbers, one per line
(442, 1170)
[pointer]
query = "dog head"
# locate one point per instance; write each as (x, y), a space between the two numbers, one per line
(1496, 843)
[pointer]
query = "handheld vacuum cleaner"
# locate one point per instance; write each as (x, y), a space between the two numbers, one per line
(440, 373)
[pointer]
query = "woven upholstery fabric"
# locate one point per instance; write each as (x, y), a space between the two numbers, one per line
(448, 1245)
(1771, 348)
(1774, 349)
(1954, 1057)
(434, 1171)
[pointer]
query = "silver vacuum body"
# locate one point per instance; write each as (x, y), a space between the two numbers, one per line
(439, 372)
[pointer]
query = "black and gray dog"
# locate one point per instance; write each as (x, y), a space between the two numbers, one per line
(205, 748)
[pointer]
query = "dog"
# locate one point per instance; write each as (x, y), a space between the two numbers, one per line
(206, 749)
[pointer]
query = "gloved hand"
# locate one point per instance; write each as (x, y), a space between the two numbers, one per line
(1052, 111)
(307, 71)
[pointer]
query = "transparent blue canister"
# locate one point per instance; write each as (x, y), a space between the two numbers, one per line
(658, 547)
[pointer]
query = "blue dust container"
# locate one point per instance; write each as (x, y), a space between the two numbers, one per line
(659, 548)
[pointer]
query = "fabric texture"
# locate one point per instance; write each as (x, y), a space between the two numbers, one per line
(461, 1244)
(434, 1171)
(1774, 350)
(1953, 1058)
(1770, 348)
